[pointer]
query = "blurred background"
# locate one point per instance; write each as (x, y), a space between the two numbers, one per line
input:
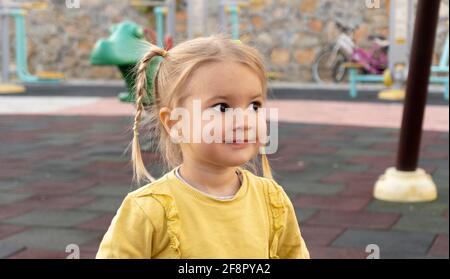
(288, 33)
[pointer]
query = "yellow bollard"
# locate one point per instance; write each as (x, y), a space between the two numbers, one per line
(10, 88)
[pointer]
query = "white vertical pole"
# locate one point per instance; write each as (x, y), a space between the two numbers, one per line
(197, 14)
(399, 38)
(222, 16)
(5, 42)
(170, 19)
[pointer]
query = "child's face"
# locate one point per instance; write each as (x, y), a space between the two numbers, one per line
(219, 90)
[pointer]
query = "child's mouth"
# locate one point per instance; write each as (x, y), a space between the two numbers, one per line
(238, 144)
(237, 141)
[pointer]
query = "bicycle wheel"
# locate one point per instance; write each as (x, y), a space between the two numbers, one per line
(340, 72)
(324, 66)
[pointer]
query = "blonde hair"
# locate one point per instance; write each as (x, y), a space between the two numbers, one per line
(171, 76)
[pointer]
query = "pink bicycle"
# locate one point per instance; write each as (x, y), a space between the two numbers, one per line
(330, 63)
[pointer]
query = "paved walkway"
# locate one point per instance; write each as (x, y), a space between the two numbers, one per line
(63, 175)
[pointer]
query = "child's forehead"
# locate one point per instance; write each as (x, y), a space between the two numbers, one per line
(223, 79)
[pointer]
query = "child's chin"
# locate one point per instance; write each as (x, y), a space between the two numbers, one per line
(237, 159)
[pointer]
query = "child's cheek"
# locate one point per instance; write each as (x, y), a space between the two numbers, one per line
(213, 129)
(261, 129)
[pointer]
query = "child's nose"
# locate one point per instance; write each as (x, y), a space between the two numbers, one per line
(244, 122)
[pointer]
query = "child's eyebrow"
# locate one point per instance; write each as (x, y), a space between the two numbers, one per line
(219, 97)
(226, 97)
(257, 95)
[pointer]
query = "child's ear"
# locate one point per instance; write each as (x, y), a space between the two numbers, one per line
(164, 116)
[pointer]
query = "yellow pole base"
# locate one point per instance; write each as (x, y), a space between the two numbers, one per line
(392, 94)
(387, 78)
(9, 88)
(50, 75)
(405, 186)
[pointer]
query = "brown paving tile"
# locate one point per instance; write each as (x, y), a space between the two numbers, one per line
(440, 246)
(39, 254)
(318, 235)
(151, 157)
(19, 136)
(332, 202)
(379, 170)
(283, 165)
(11, 174)
(384, 146)
(101, 223)
(373, 160)
(340, 177)
(92, 246)
(436, 141)
(321, 252)
(7, 230)
(87, 255)
(57, 202)
(56, 187)
(434, 155)
(13, 210)
(289, 148)
(358, 189)
(343, 219)
(63, 127)
(113, 177)
(109, 166)
(12, 163)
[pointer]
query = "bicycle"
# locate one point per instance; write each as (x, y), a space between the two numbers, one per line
(329, 64)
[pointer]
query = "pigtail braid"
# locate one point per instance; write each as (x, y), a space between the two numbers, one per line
(267, 171)
(139, 170)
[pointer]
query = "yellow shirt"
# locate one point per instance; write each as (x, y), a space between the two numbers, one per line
(169, 219)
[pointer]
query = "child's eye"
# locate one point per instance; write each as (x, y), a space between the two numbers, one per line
(255, 105)
(221, 107)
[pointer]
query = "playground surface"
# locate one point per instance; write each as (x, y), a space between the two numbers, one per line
(64, 172)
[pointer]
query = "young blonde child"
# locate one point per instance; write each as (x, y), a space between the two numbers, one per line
(209, 205)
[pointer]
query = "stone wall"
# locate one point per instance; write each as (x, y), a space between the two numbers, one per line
(289, 33)
(61, 38)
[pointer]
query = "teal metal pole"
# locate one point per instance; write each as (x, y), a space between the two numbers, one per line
(353, 92)
(159, 14)
(234, 15)
(21, 46)
(21, 51)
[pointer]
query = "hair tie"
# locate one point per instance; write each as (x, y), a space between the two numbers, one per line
(164, 53)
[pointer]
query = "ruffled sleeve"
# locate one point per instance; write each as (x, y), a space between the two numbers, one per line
(173, 222)
(286, 239)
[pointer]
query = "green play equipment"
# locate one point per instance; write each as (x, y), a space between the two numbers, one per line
(124, 48)
(126, 44)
